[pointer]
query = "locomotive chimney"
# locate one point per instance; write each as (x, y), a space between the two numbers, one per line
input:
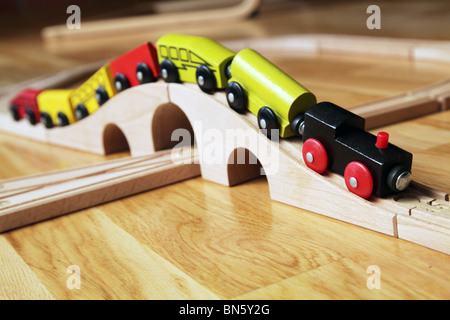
(382, 140)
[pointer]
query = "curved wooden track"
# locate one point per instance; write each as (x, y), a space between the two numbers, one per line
(147, 115)
(219, 15)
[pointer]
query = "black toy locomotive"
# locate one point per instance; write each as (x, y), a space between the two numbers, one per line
(335, 139)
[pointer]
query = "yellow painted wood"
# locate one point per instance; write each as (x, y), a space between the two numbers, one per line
(55, 101)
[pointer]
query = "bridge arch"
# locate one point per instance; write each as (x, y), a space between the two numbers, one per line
(242, 166)
(114, 139)
(167, 118)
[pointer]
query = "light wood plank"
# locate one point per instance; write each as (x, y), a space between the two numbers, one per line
(117, 267)
(17, 279)
(359, 278)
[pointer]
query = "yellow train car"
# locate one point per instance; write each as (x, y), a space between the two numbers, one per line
(93, 93)
(194, 59)
(55, 107)
(274, 97)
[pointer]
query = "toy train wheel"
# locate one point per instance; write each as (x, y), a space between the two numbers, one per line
(14, 112)
(46, 120)
(81, 111)
(101, 95)
(121, 82)
(169, 72)
(267, 122)
(62, 119)
(399, 178)
(31, 116)
(315, 155)
(236, 97)
(205, 79)
(144, 73)
(358, 179)
(298, 124)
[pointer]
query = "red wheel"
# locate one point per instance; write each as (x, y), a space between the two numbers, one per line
(358, 179)
(315, 155)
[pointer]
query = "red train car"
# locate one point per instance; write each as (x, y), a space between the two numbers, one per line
(135, 67)
(24, 105)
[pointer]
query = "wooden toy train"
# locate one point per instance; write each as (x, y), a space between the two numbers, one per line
(334, 138)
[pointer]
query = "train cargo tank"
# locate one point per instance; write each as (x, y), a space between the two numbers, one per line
(274, 97)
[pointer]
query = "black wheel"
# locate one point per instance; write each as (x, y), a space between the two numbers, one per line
(298, 124)
(81, 111)
(143, 73)
(62, 119)
(101, 95)
(46, 120)
(169, 72)
(121, 82)
(31, 116)
(14, 112)
(236, 97)
(399, 178)
(267, 121)
(205, 79)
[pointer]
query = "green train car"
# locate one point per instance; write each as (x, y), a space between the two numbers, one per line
(274, 97)
(194, 59)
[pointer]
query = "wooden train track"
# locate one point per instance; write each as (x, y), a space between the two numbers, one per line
(188, 13)
(419, 214)
(39, 197)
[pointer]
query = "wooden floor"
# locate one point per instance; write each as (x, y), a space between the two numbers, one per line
(199, 240)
